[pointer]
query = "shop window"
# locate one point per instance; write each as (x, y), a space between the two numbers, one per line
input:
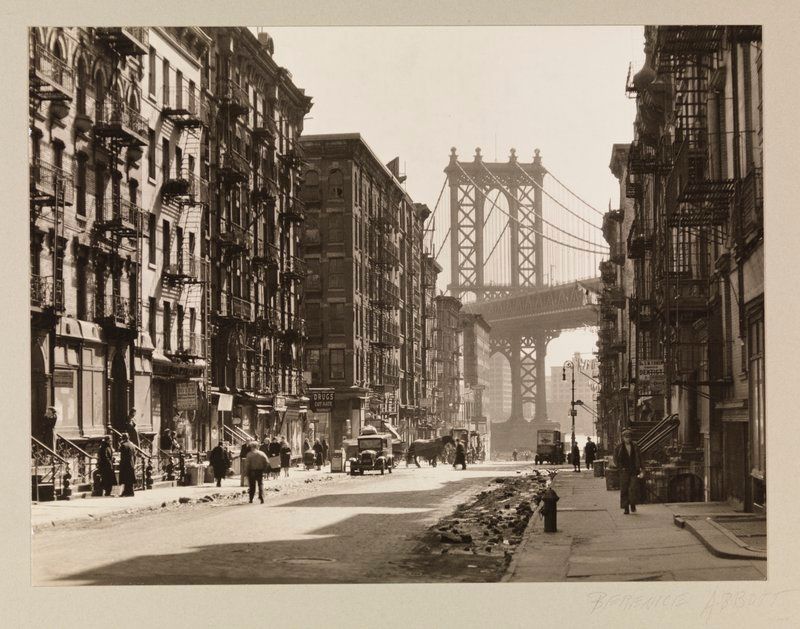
(336, 360)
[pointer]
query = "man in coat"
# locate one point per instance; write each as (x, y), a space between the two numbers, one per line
(127, 465)
(589, 452)
(220, 462)
(242, 456)
(256, 464)
(325, 449)
(286, 456)
(461, 456)
(318, 453)
(105, 465)
(575, 457)
(274, 450)
(133, 434)
(628, 459)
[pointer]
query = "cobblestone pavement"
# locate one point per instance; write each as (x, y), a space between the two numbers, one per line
(339, 530)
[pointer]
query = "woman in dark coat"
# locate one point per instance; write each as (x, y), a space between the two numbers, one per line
(220, 461)
(105, 465)
(575, 457)
(628, 459)
(286, 456)
(318, 453)
(324, 449)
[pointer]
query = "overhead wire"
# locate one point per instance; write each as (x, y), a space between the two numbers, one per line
(586, 203)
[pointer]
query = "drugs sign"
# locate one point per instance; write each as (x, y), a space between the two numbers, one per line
(322, 400)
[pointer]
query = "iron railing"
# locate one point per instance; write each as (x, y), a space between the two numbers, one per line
(116, 310)
(81, 463)
(116, 118)
(46, 67)
(49, 183)
(47, 292)
(48, 468)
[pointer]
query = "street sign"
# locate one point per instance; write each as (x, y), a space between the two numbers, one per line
(186, 396)
(573, 412)
(322, 400)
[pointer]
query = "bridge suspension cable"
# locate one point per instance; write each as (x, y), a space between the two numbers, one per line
(586, 203)
(533, 229)
(536, 183)
(538, 215)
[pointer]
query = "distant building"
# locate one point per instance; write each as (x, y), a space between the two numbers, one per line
(499, 408)
(476, 352)
(559, 395)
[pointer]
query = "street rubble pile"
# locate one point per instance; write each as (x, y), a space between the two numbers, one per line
(495, 521)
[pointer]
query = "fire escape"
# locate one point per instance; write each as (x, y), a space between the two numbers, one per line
(119, 217)
(51, 184)
(189, 111)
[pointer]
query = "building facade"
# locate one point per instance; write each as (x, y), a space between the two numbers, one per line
(254, 228)
(687, 293)
(449, 360)
(427, 424)
(476, 353)
(500, 388)
(363, 290)
(559, 395)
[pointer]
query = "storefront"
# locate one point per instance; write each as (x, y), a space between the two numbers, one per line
(175, 401)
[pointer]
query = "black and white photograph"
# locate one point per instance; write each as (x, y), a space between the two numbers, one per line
(470, 306)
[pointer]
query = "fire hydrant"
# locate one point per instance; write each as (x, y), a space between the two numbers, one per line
(97, 483)
(550, 510)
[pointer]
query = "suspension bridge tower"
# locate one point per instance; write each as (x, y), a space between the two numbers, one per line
(473, 185)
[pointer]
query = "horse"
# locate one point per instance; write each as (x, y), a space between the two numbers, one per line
(428, 449)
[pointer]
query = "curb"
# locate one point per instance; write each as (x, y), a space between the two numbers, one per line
(714, 549)
(529, 531)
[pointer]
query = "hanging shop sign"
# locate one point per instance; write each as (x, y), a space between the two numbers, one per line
(280, 403)
(225, 402)
(650, 378)
(321, 400)
(186, 396)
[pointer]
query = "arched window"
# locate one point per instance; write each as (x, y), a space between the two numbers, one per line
(335, 184)
(312, 179)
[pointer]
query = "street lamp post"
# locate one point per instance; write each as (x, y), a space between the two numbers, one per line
(572, 412)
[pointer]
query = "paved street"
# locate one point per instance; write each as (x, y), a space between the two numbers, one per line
(346, 530)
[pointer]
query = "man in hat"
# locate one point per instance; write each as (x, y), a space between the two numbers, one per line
(589, 452)
(133, 434)
(255, 464)
(127, 465)
(628, 459)
(50, 421)
(105, 465)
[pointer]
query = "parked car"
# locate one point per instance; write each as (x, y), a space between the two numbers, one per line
(374, 454)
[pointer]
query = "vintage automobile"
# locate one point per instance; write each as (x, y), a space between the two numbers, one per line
(374, 454)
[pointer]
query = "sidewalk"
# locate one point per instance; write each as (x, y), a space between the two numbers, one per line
(597, 542)
(44, 514)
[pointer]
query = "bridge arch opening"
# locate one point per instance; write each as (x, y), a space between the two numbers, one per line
(499, 386)
(497, 238)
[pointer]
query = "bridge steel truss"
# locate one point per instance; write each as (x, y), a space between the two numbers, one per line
(470, 184)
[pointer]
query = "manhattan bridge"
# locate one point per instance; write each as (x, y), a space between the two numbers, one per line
(524, 252)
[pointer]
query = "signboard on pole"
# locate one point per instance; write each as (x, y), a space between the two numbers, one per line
(280, 403)
(186, 396)
(322, 400)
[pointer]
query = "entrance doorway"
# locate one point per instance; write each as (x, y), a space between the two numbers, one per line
(119, 392)
(39, 393)
(735, 463)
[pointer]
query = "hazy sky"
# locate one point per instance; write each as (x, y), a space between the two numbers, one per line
(414, 92)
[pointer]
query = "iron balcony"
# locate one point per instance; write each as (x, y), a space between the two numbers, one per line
(294, 269)
(187, 269)
(116, 312)
(118, 216)
(268, 257)
(125, 40)
(234, 238)
(47, 293)
(231, 307)
(232, 166)
(121, 123)
(49, 184)
(293, 211)
(187, 108)
(50, 78)
(267, 319)
(184, 186)
(232, 97)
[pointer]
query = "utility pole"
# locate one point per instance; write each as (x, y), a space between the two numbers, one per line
(572, 412)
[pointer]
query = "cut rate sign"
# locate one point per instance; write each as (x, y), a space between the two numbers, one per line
(650, 378)
(186, 396)
(322, 400)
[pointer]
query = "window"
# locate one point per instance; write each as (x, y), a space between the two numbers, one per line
(165, 158)
(336, 359)
(335, 184)
(152, 311)
(167, 325)
(179, 327)
(312, 363)
(165, 242)
(80, 185)
(178, 161)
(151, 72)
(80, 88)
(178, 89)
(151, 153)
(99, 190)
(313, 318)
(336, 273)
(151, 235)
(337, 318)
(81, 289)
(165, 82)
(335, 232)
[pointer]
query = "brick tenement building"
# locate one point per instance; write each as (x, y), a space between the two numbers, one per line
(362, 247)
(427, 424)
(163, 177)
(447, 341)
(254, 228)
(690, 340)
(476, 352)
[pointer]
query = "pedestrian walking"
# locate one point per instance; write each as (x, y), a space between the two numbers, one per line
(286, 456)
(318, 453)
(575, 457)
(325, 450)
(127, 465)
(514, 455)
(105, 465)
(242, 456)
(256, 464)
(220, 461)
(461, 456)
(589, 452)
(628, 459)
